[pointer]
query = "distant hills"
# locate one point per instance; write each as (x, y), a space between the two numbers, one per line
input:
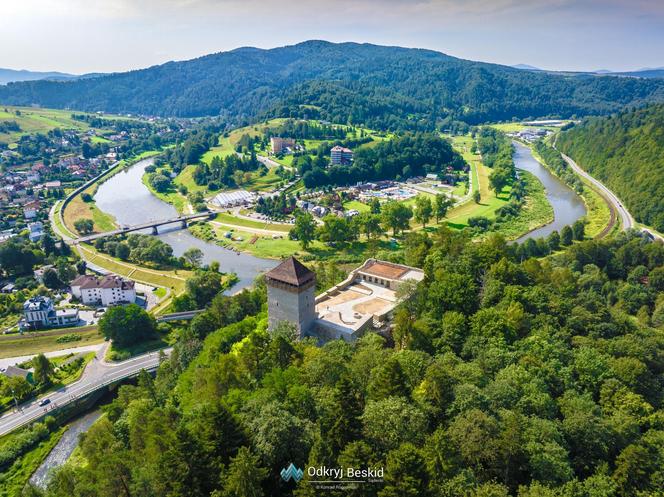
(648, 72)
(379, 86)
(12, 75)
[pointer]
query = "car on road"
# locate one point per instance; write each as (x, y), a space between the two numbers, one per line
(44, 402)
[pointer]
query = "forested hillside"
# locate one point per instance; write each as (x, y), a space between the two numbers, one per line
(625, 152)
(538, 379)
(382, 87)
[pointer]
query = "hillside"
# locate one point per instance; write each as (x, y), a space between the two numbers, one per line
(12, 75)
(625, 152)
(381, 87)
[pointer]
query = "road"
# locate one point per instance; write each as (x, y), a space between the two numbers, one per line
(626, 219)
(97, 374)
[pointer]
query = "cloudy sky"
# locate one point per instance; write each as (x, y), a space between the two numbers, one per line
(114, 35)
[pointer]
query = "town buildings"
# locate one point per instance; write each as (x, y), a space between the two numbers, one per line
(340, 156)
(364, 300)
(39, 312)
(106, 290)
(281, 145)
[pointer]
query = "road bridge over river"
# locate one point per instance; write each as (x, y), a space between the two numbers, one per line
(97, 375)
(182, 220)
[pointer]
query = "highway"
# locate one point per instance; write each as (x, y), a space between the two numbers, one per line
(97, 374)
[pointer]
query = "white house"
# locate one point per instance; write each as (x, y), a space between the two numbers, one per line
(39, 312)
(107, 290)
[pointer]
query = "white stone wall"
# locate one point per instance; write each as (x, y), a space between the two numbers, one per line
(288, 305)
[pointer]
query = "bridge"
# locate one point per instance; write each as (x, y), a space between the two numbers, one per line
(178, 316)
(97, 375)
(182, 220)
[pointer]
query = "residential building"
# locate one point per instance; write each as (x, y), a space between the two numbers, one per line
(39, 312)
(15, 371)
(340, 156)
(106, 290)
(279, 145)
(39, 273)
(36, 231)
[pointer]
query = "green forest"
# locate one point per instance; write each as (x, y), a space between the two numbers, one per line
(541, 378)
(380, 87)
(626, 152)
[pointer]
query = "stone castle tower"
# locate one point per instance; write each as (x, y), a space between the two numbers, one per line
(291, 288)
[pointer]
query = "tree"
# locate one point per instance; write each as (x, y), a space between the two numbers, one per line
(43, 369)
(304, 229)
(48, 244)
(477, 196)
(579, 229)
(553, 240)
(337, 230)
(81, 266)
(193, 256)
(244, 475)
(15, 387)
(160, 182)
(127, 325)
(122, 251)
(203, 286)
(405, 473)
(424, 209)
(370, 225)
(390, 422)
(397, 216)
(566, 236)
(51, 279)
(498, 180)
(84, 226)
(443, 203)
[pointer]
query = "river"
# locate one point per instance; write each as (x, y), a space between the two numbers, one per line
(64, 448)
(568, 206)
(126, 198)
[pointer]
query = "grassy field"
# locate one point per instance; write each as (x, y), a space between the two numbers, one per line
(78, 209)
(16, 477)
(186, 178)
(46, 341)
(357, 205)
(35, 120)
(226, 218)
(172, 279)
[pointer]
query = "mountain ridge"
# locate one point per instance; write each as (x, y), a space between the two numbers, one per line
(381, 86)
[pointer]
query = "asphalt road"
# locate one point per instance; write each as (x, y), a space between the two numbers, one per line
(626, 219)
(96, 375)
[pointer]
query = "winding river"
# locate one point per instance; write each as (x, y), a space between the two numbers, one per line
(568, 206)
(126, 198)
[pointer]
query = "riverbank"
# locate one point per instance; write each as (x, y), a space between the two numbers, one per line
(599, 217)
(75, 207)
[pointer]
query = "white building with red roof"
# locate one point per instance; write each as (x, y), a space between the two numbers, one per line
(106, 290)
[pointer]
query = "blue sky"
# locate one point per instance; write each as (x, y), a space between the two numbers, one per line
(115, 35)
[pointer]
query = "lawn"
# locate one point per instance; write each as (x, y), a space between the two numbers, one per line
(186, 178)
(226, 218)
(357, 205)
(115, 353)
(46, 341)
(78, 209)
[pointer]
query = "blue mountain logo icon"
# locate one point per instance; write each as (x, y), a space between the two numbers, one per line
(292, 472)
